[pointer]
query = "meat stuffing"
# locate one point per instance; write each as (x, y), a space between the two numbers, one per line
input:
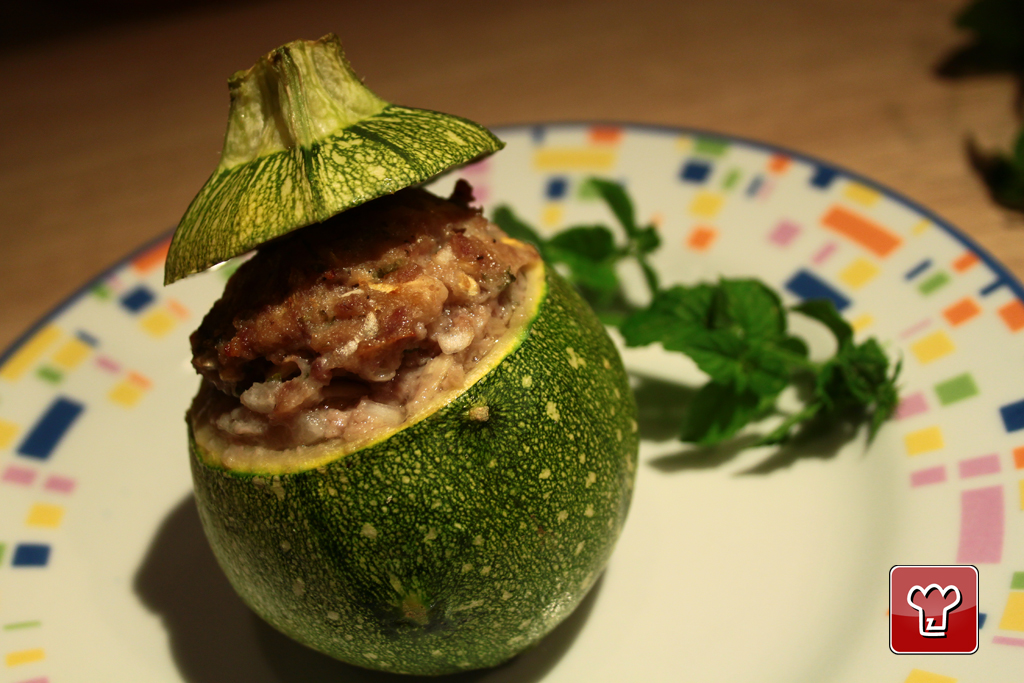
(345, 328)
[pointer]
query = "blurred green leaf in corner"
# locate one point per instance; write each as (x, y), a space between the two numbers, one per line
(997, 28)
(997, 46)
(1002, 173)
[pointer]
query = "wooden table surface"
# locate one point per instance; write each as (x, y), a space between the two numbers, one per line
(108, 134)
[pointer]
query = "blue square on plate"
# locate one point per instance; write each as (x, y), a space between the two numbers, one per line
(556, 188)
(50, 428)
(137, 299)
(31, 555)
(823, 177)
(695, 171)
(1013, 416)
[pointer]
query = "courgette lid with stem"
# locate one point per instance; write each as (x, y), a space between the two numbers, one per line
(305, 141)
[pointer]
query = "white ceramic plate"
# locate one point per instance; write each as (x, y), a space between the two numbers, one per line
(734, 566)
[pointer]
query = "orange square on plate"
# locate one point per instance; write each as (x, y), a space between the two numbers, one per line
(701, 238)
(964, 262)
(1013, 315)
(961, 311)
(1018, 457)
(778, 163)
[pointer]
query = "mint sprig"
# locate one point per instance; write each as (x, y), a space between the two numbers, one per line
(735, 330)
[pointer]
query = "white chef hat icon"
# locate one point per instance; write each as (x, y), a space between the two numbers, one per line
(926, 625)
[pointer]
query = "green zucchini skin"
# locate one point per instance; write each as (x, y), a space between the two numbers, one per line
(455, 543)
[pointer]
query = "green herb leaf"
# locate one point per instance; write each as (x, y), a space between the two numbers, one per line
(751, 309)
(857, 377)
(887, 399)
(676, 308)
(589, 253)
(641, 241)
(795, 346)
(646, 240)
(734, 331)
(593, 242)
(718, 353)
(619, 202)
(517, 229)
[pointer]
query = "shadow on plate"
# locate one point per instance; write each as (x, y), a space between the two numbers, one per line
(215, 638)
(662, 406)
(821, 442)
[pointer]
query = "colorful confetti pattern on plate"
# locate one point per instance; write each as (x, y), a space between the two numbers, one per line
(92, 455)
